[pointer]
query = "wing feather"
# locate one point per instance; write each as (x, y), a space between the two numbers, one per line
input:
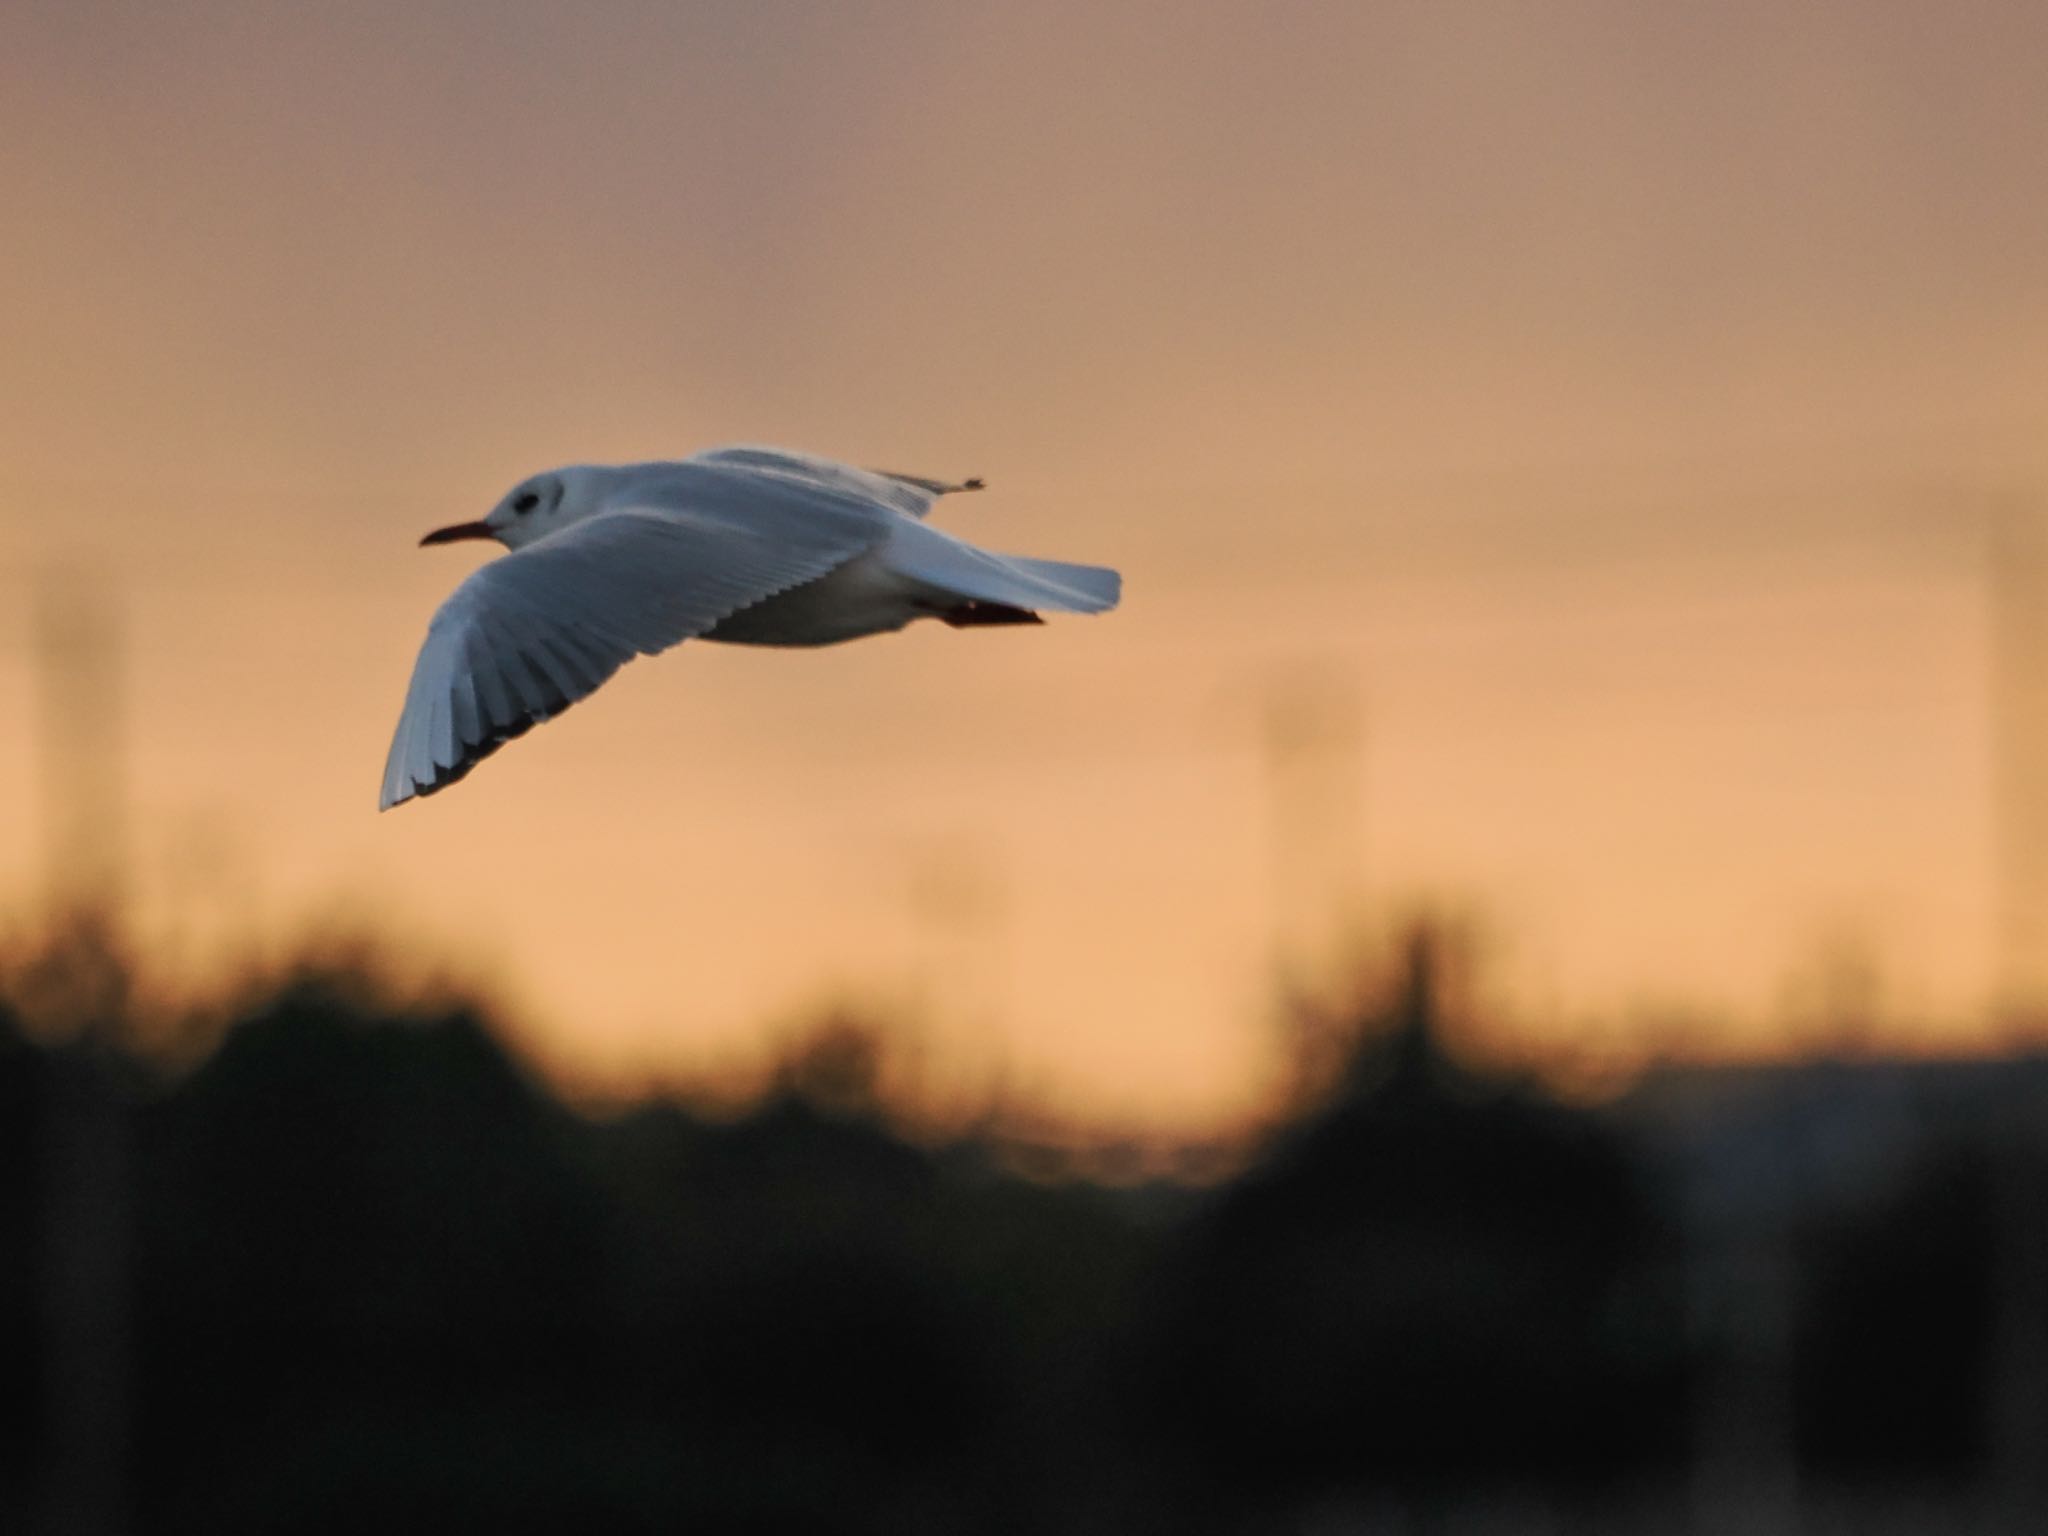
(462, 695)
(490, 683)
(913, 495)
(441, 720)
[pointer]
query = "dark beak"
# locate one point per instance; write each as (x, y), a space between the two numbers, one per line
(459, 531)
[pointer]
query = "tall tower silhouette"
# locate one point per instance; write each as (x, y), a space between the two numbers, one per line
(2018, 579)
(81, 715)
(954, 893)
(80, 993)
(1313, 733)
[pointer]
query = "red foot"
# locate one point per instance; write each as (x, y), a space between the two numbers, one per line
(968, 615)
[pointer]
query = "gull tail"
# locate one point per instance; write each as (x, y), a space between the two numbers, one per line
(952, 568)
(1092, 588)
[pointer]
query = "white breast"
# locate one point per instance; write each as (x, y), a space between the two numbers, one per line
(862, 597)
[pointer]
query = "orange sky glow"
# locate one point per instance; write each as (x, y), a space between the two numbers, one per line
(1615, 400)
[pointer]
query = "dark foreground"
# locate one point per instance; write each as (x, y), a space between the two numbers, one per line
(357, 1272)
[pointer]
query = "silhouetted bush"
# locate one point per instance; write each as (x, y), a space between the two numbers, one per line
(380, 1278)
(350, 1225)
(22, 1092)
(1436, 1282)
(1897, 1314)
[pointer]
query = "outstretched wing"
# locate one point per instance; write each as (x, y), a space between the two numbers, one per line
(530, 633)
(912, 495)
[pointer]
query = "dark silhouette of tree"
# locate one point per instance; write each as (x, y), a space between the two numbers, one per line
(383, 1278)
(23, 1088)
(1436, 1281)
(370, 1255)
(1895, 1325)
(902, 1332)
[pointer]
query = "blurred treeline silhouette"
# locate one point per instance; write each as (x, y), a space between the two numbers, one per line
(354, 1268)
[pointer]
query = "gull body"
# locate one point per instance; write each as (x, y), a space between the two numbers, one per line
(745, 545)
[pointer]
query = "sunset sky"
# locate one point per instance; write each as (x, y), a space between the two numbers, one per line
(1612, 400)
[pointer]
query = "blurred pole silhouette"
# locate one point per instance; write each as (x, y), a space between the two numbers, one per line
(1740, 1281)
(954, 892)
(1312, 734)
(2019, 704)
(81, 698)
(86, 1358)
(2017, 1410)
(1312, 730)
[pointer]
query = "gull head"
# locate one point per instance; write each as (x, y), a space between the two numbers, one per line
(536, 506)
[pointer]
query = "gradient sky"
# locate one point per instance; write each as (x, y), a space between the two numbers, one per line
(1614, 396)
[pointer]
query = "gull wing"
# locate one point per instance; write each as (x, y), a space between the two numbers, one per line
(530, 633)
(912, 495)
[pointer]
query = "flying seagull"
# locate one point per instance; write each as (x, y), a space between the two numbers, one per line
(756, 546)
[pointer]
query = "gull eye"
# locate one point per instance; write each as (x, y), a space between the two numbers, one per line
(525, 501)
